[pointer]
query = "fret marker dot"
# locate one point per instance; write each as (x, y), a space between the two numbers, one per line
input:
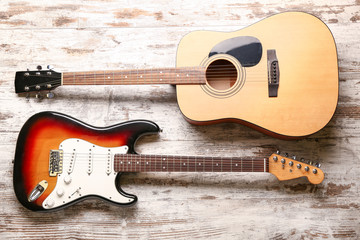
(236, 164)
(160, 79)
(164, 159)
(125, 76)
(217, 164)
(187, 75)
(199, 164)
(163, 167)
(147, 163)
(137, 162)
(121, 162)
(128, 162)
(140, 76)
(108, 77)
(177, 75)
(160, 71)
(184, 164)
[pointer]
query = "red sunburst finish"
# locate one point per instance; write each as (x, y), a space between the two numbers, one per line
(45, 131)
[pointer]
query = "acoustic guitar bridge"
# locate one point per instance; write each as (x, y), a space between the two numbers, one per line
(273, 73)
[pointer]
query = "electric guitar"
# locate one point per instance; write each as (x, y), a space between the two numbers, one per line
(279, 76)
(60, 160)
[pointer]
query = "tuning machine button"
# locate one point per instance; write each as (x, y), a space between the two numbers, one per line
(37, 87)
(39, 67)
(307, 168)
(26, 88)
(283, 161)
(50, 67)
(275, 158)
(291, 163)
(298, 165)
(315, 171)
(50, 95)
(39, 96)
(317, 165)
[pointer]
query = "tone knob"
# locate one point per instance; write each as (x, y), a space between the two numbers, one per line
(67, 179)
(50, 202)
(60, 192)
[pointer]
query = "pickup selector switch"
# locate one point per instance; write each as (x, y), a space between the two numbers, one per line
(67, 179)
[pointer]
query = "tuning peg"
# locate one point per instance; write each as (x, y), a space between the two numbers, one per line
(50, 67)
(38, 67)
(294, 157)
(50, 95)
(311, 162)
(286, 155)
(317, 165)
(278, 152)
(302, 160)
(39, 96)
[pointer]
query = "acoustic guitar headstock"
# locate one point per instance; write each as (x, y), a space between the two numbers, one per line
(285, 168)
(37, 81)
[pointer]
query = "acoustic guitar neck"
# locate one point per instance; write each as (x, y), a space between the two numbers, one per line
(176, 76)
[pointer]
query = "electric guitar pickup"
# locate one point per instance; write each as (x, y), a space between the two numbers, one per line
(278, 76)
(60, 160)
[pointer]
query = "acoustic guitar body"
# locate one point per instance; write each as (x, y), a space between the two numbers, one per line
(303, 94)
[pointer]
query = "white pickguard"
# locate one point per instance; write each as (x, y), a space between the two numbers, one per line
(88, 169)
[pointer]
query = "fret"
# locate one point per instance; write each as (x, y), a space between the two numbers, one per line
(252, 166)
(231, 165)
(173, 169)
(212, 164)
(264, 164)
(221, 164)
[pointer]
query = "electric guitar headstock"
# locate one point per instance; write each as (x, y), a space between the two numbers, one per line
(37, 81)
(285, 168)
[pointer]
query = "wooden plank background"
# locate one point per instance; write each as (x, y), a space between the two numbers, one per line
(108, 35)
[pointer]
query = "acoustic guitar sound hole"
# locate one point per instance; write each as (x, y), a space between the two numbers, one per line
(221, 74)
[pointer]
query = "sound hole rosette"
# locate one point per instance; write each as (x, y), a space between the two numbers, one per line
(233, 65)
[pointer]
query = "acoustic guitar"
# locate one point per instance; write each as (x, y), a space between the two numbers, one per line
(279, 76)
(60, 160)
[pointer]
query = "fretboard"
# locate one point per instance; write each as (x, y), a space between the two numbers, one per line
(177, 76)
(164, 163)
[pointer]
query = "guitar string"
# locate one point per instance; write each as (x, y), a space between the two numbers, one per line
(190, 161)
(90, 77)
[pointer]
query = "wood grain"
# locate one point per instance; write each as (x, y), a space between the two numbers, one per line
(107, 35)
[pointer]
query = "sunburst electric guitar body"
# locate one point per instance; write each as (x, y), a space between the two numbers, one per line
(279, 75)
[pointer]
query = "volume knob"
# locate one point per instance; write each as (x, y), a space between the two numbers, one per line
(67, 179)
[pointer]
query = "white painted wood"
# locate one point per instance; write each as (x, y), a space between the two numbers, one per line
(101, 35)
